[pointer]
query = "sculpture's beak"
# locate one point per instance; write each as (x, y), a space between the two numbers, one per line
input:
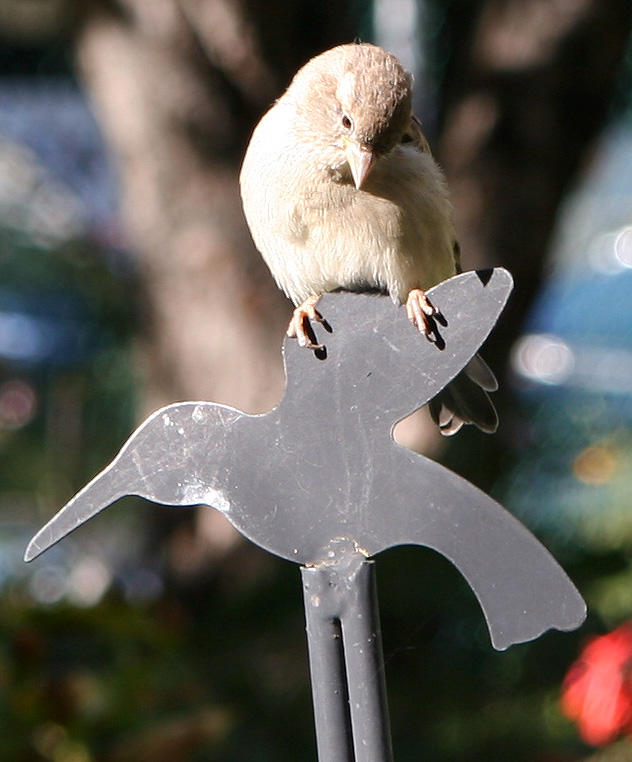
(360, 159)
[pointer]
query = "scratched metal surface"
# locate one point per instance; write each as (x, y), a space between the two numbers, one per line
(320, 477)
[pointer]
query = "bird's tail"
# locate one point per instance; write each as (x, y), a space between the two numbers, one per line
(466, 400)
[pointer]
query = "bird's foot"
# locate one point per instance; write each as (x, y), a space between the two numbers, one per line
(421, 312)
(300, 328)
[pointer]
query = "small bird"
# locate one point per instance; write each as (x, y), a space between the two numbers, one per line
(341, 192)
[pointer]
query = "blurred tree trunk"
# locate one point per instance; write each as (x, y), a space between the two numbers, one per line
(177, 86)
(529, 85)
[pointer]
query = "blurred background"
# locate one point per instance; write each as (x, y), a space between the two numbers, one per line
(128, 280)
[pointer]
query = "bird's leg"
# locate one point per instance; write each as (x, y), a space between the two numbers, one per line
(420, 311)
(299, 326)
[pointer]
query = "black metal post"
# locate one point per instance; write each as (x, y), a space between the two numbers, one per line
(346, 662)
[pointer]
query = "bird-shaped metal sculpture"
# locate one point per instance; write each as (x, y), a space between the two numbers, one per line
(320, 477)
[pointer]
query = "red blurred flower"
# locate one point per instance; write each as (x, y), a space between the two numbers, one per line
(597, 689)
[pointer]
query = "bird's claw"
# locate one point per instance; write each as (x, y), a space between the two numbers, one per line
(300, 328)
(421, 311)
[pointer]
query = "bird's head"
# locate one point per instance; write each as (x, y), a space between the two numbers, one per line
(353, 105)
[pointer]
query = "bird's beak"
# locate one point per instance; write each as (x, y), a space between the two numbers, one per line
(360, 159)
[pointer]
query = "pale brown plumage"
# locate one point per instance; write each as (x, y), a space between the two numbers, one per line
(340, 191)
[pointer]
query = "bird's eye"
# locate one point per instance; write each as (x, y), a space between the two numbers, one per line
(346, 122)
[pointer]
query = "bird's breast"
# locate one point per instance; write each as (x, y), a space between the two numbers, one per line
(318, 233)
(395, 233)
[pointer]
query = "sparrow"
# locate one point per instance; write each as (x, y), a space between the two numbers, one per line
(341, 192)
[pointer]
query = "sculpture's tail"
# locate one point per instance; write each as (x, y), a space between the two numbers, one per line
(466, 400)
(521, 588)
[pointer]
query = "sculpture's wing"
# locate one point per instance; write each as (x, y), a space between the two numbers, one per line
(376, 358)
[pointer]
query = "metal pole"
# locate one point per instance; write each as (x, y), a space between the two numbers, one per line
(346, 663)
(362, 642)
(327, 668)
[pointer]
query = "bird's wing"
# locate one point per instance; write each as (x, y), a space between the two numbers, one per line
(414, 135)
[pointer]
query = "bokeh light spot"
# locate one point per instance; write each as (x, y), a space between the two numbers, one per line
(18, 404)
(595, 464)
(48, 584)
(88, 581)
(543, 358)
(623, 246)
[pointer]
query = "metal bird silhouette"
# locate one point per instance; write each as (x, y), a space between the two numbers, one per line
(320, 476)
